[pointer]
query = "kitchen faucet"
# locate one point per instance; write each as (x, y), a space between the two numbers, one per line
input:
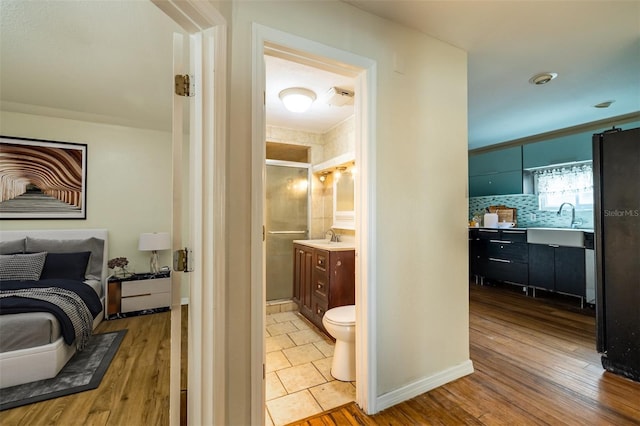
(574, 224)
(334, 237)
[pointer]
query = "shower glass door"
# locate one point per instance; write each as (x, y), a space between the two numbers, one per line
(287, 219)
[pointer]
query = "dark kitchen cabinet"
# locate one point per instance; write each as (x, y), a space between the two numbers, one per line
(504, 255)
(322, 280)
(541, 266)
(557, 268)
(476, 253)
(570, 271)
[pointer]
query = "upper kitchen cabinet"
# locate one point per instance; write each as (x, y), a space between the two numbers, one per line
(496, 172)
(503, 183)
(502, 160)
(567, 149)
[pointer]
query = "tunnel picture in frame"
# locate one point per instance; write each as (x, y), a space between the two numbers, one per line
(41, 179)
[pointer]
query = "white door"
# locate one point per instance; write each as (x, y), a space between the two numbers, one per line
(198, 224)
(179, 232)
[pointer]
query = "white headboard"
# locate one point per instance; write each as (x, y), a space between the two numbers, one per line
(65, 234)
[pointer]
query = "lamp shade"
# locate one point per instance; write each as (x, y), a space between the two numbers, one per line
(154, 241)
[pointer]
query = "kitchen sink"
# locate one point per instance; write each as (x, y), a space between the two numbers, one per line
(567, 237)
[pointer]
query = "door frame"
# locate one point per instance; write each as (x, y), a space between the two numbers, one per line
(364, 72)
(207, 164)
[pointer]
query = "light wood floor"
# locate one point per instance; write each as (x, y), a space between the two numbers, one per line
(535, 364)
(134, 390)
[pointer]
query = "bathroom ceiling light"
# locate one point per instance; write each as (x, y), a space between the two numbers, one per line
(542, 78)
(297, 99)
(605, 104)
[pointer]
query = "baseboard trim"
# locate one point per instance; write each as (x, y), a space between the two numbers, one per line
(423, 385)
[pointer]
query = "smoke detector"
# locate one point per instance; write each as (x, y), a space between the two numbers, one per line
(542, 78)
(605, 104)
(339, 97)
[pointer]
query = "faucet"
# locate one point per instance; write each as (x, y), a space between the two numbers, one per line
(574, 224)
(334, 237)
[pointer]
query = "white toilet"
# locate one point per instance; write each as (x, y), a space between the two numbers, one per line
(340, 322)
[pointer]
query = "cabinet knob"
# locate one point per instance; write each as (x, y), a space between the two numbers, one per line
(319, 285)
(339, 263)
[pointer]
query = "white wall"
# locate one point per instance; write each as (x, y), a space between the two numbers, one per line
(128, 180)
(421, 184)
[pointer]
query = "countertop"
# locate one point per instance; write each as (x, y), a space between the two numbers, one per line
(539, 227)
(328, 245)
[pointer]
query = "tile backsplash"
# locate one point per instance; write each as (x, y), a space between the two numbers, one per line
(528, 214)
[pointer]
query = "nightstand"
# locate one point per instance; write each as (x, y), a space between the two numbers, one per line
(138, 294)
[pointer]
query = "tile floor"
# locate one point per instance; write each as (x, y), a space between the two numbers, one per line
(298, 381)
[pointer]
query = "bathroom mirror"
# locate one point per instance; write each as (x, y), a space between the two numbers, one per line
(344, 201)
(343, 189)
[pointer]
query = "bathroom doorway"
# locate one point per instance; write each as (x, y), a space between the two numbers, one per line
(361, 71)
(286, 219)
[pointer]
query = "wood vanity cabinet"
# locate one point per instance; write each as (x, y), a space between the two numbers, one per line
(322, 280)
(302, 277)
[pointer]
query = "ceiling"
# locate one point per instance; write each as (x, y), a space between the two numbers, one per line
(283, 74)
(68, 59)
(100, 61)
(594, 46)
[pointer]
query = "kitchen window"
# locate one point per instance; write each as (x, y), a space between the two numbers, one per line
(573, 184)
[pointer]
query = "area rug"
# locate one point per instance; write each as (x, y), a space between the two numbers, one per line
(83, 372)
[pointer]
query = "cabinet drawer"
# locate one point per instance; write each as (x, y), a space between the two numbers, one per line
(148, 301)
(488, 234)
(319, 308)
(504, 270)
(507, 250)
(321, 259)
(320, 289)
(515, 235)
(143, 287)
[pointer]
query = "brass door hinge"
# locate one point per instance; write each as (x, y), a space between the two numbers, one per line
(182, 261)
(184, 85)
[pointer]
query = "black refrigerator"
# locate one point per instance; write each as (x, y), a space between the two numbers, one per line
(616, 179)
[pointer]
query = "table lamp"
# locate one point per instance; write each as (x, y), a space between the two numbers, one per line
(154, 242)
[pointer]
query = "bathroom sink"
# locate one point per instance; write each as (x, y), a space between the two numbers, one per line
(567, 237)
(328, 245)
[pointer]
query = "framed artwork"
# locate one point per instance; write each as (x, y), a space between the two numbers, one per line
(42, 179)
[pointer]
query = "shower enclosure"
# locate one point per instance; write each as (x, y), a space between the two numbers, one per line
(287, 219)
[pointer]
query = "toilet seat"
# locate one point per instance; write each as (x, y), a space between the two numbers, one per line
(342, 315)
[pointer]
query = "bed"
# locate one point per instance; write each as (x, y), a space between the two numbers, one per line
(35, 345)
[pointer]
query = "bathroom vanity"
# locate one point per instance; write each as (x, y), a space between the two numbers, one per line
(323, 277)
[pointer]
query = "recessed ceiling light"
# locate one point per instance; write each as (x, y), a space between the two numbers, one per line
(605, 104)
(542, 78)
